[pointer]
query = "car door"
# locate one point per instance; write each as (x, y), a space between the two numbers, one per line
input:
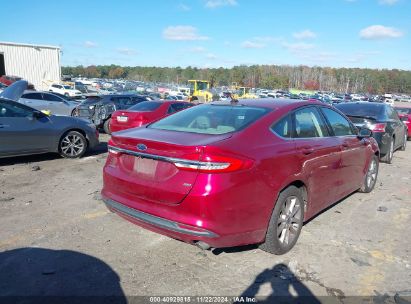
(319, 155)
(56, 104)
(396, 125)
(33, 100)
(20, 132)
(353, 151)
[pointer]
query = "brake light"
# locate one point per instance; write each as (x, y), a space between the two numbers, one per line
(378, 127)
(212, 163)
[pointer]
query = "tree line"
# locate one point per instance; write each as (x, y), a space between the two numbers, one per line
(342, 80)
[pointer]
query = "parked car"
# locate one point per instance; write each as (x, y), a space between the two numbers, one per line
(405, 115)
(99, 109)
(55, 104)
(24, 130)
(387, 128)
(145, 112)
(227, 174)
(65, 90)
(8, 80)
(2, 87)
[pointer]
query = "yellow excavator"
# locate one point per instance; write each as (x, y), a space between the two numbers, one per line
(200, 91)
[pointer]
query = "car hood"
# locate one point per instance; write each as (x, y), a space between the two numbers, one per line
(78, 121)
(14, 91)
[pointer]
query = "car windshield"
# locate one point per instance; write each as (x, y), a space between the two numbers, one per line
(363, 110)
(403, 111)
(67, 87)
(145, 106)
(211, 119)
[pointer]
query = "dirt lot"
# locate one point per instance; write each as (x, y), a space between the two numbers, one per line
(57, 238)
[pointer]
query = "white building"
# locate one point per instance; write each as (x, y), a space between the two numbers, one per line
(38, 64)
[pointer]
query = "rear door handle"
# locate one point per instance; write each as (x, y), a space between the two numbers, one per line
(307, 150)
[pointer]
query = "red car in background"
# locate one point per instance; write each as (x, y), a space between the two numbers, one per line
(8, 80)
(405, 115)
(235, 173)
(145, 112)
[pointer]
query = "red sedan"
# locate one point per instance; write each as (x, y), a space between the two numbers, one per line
(227, 174)
(145, 112)
(405, 114)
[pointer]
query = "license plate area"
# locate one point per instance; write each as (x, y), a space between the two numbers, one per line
(122, 118)
(144, 166)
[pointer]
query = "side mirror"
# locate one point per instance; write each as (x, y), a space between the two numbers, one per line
(404, 118)
(364, 133)
(38, 115)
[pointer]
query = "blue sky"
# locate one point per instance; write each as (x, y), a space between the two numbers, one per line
(213, 33)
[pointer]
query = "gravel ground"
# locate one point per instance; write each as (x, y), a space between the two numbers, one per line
(57, 238)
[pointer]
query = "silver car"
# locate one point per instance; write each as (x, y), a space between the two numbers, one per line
(44, 101)
(24, 130)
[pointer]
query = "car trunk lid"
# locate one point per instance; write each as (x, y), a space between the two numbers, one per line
(145, 162)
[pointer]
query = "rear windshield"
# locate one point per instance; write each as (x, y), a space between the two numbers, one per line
(374, 110)
(211, 119)
(403, 111)
(145, 106)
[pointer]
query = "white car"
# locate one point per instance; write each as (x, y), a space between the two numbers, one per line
(65, 90)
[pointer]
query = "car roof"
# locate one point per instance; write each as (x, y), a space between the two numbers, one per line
(271, 103)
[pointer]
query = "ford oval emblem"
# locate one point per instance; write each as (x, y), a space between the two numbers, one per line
(142, 147)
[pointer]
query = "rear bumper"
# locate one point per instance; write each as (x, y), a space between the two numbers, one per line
(383, 140)
(158, 222)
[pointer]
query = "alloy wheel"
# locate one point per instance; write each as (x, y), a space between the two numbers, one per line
(372, 173)
(72, 145)
(289, 220)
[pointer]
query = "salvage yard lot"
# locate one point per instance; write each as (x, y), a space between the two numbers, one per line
(57, 237)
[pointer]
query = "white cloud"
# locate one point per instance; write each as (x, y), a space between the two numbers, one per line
(298, 47)
(182, 33)
(211, 56)
(126, 51)
(90, 44)
(388, 2)
(252, 45)
(305, 34)
(219, 3)
(197, 49)
(375, 32)
(184, 7)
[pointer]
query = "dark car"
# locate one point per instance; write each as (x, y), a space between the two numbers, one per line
(99, 109)
(384, 122)
(229, 174)
(24, 130)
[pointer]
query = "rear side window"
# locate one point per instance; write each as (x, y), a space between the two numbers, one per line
(51, 97)
(211, 119)
(308, 124)
(339, 125)
(175, 107)
(146, 106)
(283, 127)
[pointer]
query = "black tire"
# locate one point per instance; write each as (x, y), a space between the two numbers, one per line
(390, 154)
(290, 209)
(73, 144)
(371, 176)
(404, 144)
(106, 126)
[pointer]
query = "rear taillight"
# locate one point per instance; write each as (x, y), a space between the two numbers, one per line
(378, 127)
(212, 163)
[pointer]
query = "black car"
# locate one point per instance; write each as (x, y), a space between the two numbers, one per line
(98, 109)
(387, 128)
